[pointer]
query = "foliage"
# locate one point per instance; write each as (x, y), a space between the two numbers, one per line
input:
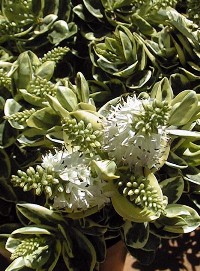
(99, 129)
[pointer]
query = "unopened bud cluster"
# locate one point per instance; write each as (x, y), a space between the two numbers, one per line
(5, 81)
(39, 179)
(139, 191)
(55, 55)
(9, 28)
(82, 135)
(40, 87)
(154, 115)
(28, 246)
(21, 117)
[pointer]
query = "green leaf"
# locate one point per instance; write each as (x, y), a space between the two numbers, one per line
(143, 26)
(17, 264)
(139, 79)
(94, 8)
(184, 133)
(172, 188)
(82, 87)
(191, 154)
(99, 245)
(12, 107)
(45, 70)
(135, 234)
(43, 119)
(54, 257)
(61, 30)
(39, 214)
(23, 74)
(8, 134)
(162, 90)
(175, 161)
(67, 98)
(46, 24)
(179, 219)
(29, 230)
(152, 243)
(84, 253)
(5, 168)
(192, 174)
(57, 107)
(31, 98)
(6, 191)
(187, 102)
(105, 169)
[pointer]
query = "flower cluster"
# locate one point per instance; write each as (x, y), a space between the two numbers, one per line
(67, 180)
(135, 132)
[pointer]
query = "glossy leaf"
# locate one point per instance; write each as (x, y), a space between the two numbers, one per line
(39, 214)
(135, 234)
(179, 219)
(43, 119)
(172, 188)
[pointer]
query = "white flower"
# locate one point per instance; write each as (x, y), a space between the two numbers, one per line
(54, 161)
(80, 190)
(135, 132)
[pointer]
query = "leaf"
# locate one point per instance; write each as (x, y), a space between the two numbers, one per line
(31, 98)
(162, 90)
(99, 245)
(126, 46)
(24, 71)
(139, 79)
(191, 154)
(6, 191)
(45, 70)
(175, 161)
(179, 219)
(192, 174)
(17, 264)
(152, 243)
(83, 88)
(184, 133)
(30, 230)
(39, 214)
(105, 169)
(12, 107)
(172, 188)
(61, 30)
(143, 26)
(57, 107)
(8, 134)
(186, 102)
(5, 168)
(88, 117)
(67, 98)
(93, 7)
(84, 253)
(43, 119)
(46, 24)
(135, 234)
(6, 207)
(54, 257)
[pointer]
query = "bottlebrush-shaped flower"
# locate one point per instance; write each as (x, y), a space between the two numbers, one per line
(135, 132)
(68, 180)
